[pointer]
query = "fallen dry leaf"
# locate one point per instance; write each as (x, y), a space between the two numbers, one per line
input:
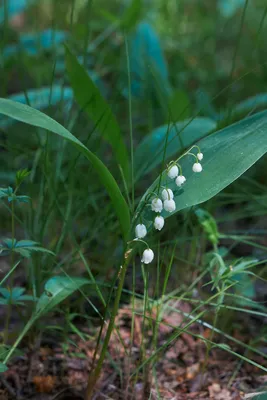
(217, 393)
(44, 384)
(192, 371)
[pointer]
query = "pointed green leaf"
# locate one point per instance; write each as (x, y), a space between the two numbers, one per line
(24, 113)
(56, 290)
(92, 102)
(228, 153)
(26, 243)
(131, 15)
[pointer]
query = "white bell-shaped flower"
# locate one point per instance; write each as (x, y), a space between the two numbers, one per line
(173, 172)
(169, 205)
(200, 156)
(180, 180)
(167, 194)
(147, 256)
(197, 167)
(159, 222)
(140, 231)
(156, 205)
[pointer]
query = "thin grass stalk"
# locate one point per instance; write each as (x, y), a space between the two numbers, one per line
(96, 372)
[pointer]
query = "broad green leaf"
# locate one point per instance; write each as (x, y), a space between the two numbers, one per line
(149, 153)
(91, 101)
(228, 153)
(24, 113)
(56, 290)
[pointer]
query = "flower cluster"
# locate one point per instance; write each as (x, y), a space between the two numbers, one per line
(166, 201)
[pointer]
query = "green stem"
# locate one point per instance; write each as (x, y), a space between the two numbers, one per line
(9, 306)
(214, 326)
(96, 372)
(130, 119)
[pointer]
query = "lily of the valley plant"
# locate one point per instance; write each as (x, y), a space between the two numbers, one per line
(166, 200)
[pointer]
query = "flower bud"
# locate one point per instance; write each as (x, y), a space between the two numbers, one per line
(200, 156)
(167, 194)
(156, 205)
(159, 222)
(173, 172)
(140, 231)
(197, 167)
(180, 180)
(169, 205)
(147, 256)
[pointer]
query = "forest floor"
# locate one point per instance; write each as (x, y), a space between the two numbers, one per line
(51, 370)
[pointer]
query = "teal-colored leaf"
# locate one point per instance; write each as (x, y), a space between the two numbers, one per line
(228, 153)
(5, 293)
(27, 251)
(245, 287)
(10, 243)
(149, 153)
(252, 103)
(44, 39)
(26, 243)
(41, 99)
(229, 7)
(3, 368)
(260, 396)
(34, 117)
(23, 247)
(33, 43)
(14, 296)
(22, 199)
(6, 192)
(56, 290)
(205, 106)
(91, 101)
(14, 7)
(17, 292)
(146, 59)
